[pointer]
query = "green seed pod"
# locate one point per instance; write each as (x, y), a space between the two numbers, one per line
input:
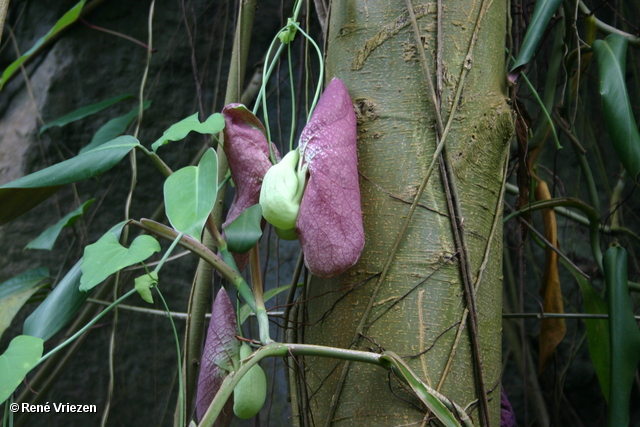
(251, 392)
(281, 192)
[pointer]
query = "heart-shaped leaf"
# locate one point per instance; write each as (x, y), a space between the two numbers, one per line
(83, 112)
(178, 131)
(47, 239)
(62, 303)
(190, 193)
(611, 57)
(221, 351)
(20, 357)
(144, 284)
(16, 291)
(107, 255)
(329, 224)
(20, 196)
(245, 231)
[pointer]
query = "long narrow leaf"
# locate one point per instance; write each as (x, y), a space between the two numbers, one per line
(113, 128)
(431, 398)
(83, 112)
(542, 14)
(20, 196)
(67, 19)
(597, 332)
(611, 57)
(16, 291)
(624, 333)
(48, 238)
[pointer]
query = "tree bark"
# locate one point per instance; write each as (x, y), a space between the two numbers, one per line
(411, 299)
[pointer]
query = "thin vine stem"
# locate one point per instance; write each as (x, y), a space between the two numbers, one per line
(175, 335)
(86, 327)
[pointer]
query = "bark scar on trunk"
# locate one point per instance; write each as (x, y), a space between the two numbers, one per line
(389, 31)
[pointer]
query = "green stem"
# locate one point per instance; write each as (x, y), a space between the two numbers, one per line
(175, 335)
(544, 110)
(321, 76)
(279, 350)
(292, 132)
(168, 252)
(608, 29)
(592, 215)
(386, 360)
(203, 252)
(87, 326)
(258, 294)
(156, 160)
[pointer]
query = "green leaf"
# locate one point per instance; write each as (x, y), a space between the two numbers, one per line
(68, 18)
(178, 131)
(19, 196)
(62, 303)
(542, 14)
(58, 308)
(107, 255)
(597, 332)
(144, 284)
(431, 398)
(189, 195)
(623, 129)
(16, 291)
(245, 310)
(113, 128)
(83, 112)
(624, 333)
(245, 231)
(23, 353)
(47, 239)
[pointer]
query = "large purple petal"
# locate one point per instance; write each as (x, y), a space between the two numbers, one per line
(247, 151)
(329, 224)
(220, 348)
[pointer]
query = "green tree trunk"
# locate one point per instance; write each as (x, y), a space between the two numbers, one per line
(410, 299)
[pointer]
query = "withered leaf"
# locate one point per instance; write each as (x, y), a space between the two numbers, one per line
(552, 331)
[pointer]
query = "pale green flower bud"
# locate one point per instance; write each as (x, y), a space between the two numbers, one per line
(282, 189)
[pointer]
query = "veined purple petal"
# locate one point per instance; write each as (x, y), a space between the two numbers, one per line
(329, 224)
(220, 348)
(247, 151)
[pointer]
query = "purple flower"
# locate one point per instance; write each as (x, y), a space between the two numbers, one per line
(218, 357)
(329, 222)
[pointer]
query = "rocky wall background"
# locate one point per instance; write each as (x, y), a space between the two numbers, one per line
(83, 67)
